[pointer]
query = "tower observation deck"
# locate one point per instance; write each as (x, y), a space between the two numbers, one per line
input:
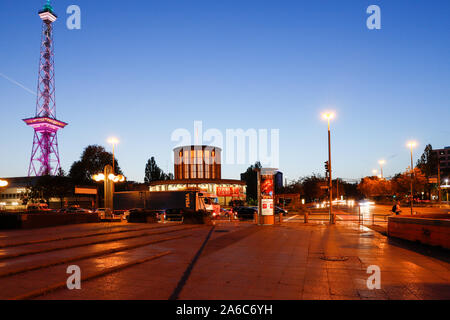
(45, 153)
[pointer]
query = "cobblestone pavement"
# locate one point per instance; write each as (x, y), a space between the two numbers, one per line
(238, 261)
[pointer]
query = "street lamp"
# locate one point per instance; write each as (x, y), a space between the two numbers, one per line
(109, 179)
(411, 145)
(329, 116)
(113, 141)
(375, 172)
(3, 183)
(381, 162)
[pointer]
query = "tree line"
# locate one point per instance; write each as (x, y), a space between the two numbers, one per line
(93, 160)
(313, 187)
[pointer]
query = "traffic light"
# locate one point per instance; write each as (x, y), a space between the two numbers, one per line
(326, 166)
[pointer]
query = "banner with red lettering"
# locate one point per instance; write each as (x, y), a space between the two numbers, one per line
(227, 191)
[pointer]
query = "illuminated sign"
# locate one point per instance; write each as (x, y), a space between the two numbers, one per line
(267, 207)
(227, 191)
(79, 190)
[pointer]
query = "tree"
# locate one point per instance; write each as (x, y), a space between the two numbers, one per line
(428, 161)
(155, 173)
(93, 160)
(372, 187)
(312, 187)
(292, 187)
(47, 187)
(250, 177)
(401, 183)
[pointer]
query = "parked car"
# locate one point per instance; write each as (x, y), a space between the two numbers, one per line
(104, 213)
(237, 203)
(245, 213)
(74, 210)
(41, 207)
(279, 210)
(226, 213)
(141, 215)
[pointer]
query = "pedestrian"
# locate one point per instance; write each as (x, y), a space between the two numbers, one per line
(396, 208)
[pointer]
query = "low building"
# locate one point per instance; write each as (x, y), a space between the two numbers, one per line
(16, 195)
(199, 168)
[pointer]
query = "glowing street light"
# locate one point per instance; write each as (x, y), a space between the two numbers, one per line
(101, 177)
(329, 116)
(381, 162)
(98, 177)
(113, 141)
(412, 145)
(3, 183)
(374, 172)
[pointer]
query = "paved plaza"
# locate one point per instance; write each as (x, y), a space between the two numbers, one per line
(227, 261)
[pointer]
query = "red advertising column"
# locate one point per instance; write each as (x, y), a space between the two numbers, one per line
(266, 192)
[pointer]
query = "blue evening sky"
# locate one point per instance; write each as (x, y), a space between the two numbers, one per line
(139, 70)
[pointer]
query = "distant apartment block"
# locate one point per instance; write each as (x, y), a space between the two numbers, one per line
(444, 157)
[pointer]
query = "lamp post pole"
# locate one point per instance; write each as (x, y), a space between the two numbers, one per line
(412, 177)
(332, 220)
(439, 181)
(113, 141)
(113, 162)
(381, 162)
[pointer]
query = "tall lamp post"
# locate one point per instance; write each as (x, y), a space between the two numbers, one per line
(411, 145)
(113, 141)
(109, 179)
(381, 163)
(328, 116)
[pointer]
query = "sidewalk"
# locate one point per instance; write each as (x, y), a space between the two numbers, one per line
(288, 261)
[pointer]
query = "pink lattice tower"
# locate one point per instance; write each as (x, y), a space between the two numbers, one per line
(45, 153)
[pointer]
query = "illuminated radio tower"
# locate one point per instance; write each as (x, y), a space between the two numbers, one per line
(45, 154)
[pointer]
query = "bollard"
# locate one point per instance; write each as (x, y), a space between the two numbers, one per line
(360, 219)
(162, 218)
(306, 216)
(255, 218)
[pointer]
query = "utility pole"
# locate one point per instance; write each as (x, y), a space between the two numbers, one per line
(412, 177)
(329, 175)
(439, 180)
(337, 188)
(328, 116)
